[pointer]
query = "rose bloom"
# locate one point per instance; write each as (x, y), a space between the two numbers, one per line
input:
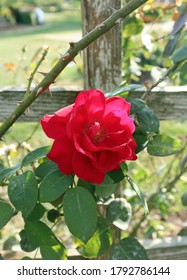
(92, 136)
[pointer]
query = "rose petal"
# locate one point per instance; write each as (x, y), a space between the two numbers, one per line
(94, 103)
(117, 102)
(52, 126)
(64, 113)
(61, 153)
(85, 170)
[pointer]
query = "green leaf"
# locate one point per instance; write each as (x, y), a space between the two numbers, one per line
(80, 213)
(45, 168)
(137, 105)
(184, 199)
(86, 185)
(23, 192)
(52, 215)
(37, 213)
(119, 213)
(163, 145)
(6, 213)
(99, 243)
(123, 89)
(141, 139)
(180, 54)
(148, 120)
(116, 176)
(180, 22)
(6, 173)
(107, 188)
(54, 185)
(128, 249)
(35, 155)
(26, 244)
(183, 231)
(56, 252)
(139, 194)
(133, 26)
(183, 73)
(173, 40)
(40, 234)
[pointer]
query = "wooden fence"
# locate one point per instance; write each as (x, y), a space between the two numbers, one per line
(169, 103)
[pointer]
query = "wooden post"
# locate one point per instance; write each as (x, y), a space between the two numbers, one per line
(102, 59)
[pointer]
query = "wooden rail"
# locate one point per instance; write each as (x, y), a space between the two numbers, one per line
(169, 103)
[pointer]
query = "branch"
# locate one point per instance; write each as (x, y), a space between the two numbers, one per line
(75, 48)
(168, 72)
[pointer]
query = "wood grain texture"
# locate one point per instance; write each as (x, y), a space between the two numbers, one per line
(169, 103)
(105, 71)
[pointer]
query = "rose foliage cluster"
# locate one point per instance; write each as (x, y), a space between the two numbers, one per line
(75, 181)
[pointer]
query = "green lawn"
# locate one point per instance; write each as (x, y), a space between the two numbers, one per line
(58, 31)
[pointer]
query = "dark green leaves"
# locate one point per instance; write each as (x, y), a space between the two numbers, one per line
(35, 155)
(26, 244)
(6, 213)
(44, 238)
(119, 213)
(184, 199)
(8, 172)
(107, 188)
(123, 89)
(80, 213)
(148, 120)
(23, 192)
(45, 168)
(136, 105)
(53, 185)
(180, 54)
(163, 145)
(99, 243)
(139, 194)
(40, 234)
(128, 249)
(56, 252)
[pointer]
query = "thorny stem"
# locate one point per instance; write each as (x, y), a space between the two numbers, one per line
(34, 72)
(148, 92)
(72, 52)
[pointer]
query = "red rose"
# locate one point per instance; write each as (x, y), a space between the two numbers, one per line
(92, 136)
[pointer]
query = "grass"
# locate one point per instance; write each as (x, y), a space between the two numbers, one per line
(57, 32)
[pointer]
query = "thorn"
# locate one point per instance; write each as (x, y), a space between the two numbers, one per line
(50, 93)
(113, 9)
(13, 117)
(65, 56)
(119, 20)
(73, 60)
(101, 26)
(19, 102)
(2, 139)
(39, 91)
(72, 45)
(42, 73)
(27, 112)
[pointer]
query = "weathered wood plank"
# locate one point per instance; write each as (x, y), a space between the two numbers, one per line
(169, 248)
(104, 72)
(169, 103)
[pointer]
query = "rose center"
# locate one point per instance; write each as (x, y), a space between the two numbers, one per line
(96, 132)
